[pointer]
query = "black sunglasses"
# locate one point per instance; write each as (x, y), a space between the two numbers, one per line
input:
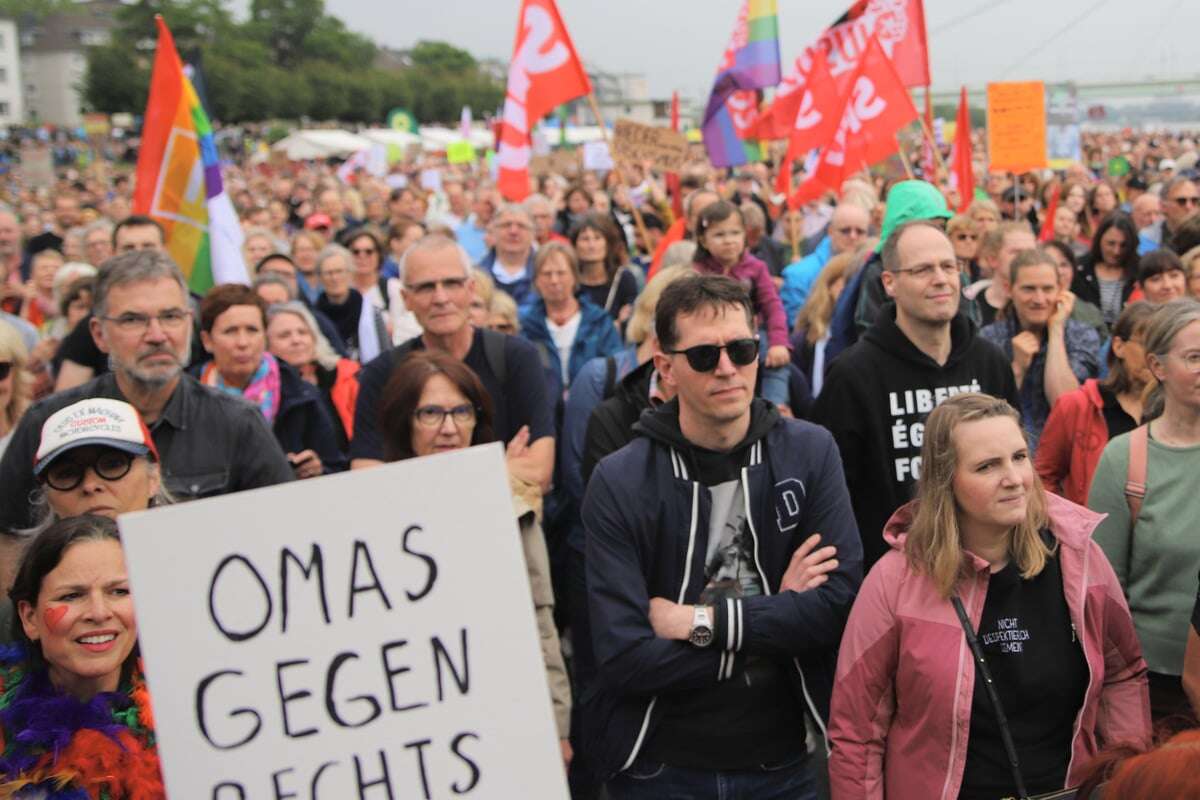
(67, 473)
(5, 369)
(705, 357)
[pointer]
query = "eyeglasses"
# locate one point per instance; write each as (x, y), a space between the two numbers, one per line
(5, 369)
(848, 230)
(429, 287)
(67, 473)
(1184, 202)
(1191, 361)
(363, 251)
(171, 319)
(434, 416)
(705, 357)
(947, 268)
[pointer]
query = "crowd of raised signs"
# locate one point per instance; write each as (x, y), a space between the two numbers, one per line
(762, 594)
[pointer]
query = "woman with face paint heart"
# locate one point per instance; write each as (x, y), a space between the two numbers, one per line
(74, 712)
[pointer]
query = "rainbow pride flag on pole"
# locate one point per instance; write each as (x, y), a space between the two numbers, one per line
(179, 177)
(750, 62)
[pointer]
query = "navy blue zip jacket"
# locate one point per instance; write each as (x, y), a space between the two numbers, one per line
(647, 524)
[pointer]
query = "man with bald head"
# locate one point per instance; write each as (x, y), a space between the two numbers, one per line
(847, 230)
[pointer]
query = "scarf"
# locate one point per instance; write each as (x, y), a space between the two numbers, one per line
(263, 389)
(51, 742)
(345, 315)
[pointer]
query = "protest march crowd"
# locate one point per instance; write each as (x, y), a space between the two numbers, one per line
(881, 492)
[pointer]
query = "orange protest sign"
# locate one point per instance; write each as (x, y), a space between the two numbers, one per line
(1016, 126)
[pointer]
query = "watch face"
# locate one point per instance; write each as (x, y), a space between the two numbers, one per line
(701, 636)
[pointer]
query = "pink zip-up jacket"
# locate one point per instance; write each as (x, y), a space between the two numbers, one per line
(901, 707)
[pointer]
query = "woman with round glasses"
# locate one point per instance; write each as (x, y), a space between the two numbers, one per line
(96, 457)
(1149, 534)
(434, 403)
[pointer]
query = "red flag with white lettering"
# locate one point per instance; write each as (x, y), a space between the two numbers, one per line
(899, 25)
(545, 72)
(876, 108)
(817, 116)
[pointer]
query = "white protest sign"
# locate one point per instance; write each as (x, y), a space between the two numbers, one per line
(363, 635)
(596, 156)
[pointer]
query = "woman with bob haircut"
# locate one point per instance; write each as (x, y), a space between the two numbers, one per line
(991, 652)
(75, 718)
(434, 403)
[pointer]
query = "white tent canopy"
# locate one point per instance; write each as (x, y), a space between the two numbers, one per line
(391, 136)
(436, 138)
(303, 145)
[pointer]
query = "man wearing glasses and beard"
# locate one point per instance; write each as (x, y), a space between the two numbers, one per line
(722, 559)
(211, 443)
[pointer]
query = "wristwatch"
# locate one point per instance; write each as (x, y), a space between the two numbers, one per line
(702, 629)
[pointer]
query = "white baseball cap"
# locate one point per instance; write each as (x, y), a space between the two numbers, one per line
(95, 421)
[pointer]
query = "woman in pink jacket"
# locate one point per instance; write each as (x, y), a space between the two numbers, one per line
(913, 717)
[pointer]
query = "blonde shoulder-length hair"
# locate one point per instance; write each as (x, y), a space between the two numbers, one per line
(934, 544)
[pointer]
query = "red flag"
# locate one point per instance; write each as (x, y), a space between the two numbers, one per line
(899, 25)
(674, 188)
(1051, 209)
(817, 115)
(961, 162)
(674, 234)
(877, 106)
(545, 72)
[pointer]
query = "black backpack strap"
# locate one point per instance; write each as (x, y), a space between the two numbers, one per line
(493, 351)
(610, 376)
(400, 351)
(383, 290)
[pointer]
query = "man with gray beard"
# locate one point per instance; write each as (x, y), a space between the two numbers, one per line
(210, 443)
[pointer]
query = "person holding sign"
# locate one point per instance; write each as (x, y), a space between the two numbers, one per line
(75, 717)
(714, 614)
(434, 403)
(991, 650)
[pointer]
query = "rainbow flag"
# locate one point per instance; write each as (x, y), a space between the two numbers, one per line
(178, 179)
(750, 62)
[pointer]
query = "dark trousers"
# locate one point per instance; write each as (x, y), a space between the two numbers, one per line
(651, 780)
(585, 784)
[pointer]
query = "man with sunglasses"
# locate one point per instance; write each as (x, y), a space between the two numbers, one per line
(1181, 199)
(211, 443)
(847, 230)
(715, 614)
(920, 351)
(438, 289)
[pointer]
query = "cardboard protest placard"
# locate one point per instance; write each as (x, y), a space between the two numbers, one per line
(635, 143)
(37, 165)
(558, 162)
(1016, 126)
(370, 635)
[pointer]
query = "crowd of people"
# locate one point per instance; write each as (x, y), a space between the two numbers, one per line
(886, 496)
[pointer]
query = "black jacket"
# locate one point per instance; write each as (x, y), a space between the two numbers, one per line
(610, 426)
(303, 421)
(1085, 286)
(875, 399)
(647, 521)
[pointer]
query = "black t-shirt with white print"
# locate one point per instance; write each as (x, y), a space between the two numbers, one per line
(1041, 675)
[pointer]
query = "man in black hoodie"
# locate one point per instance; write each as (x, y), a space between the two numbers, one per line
(715, 617)
(919, 352)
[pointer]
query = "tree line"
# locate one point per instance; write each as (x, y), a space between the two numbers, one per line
(289, 60)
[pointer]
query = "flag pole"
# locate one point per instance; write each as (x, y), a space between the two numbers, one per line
(637, 214)
(903, 158)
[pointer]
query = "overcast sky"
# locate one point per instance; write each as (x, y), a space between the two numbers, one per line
(677, 43)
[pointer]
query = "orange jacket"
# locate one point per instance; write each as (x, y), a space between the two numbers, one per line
(344, 393)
